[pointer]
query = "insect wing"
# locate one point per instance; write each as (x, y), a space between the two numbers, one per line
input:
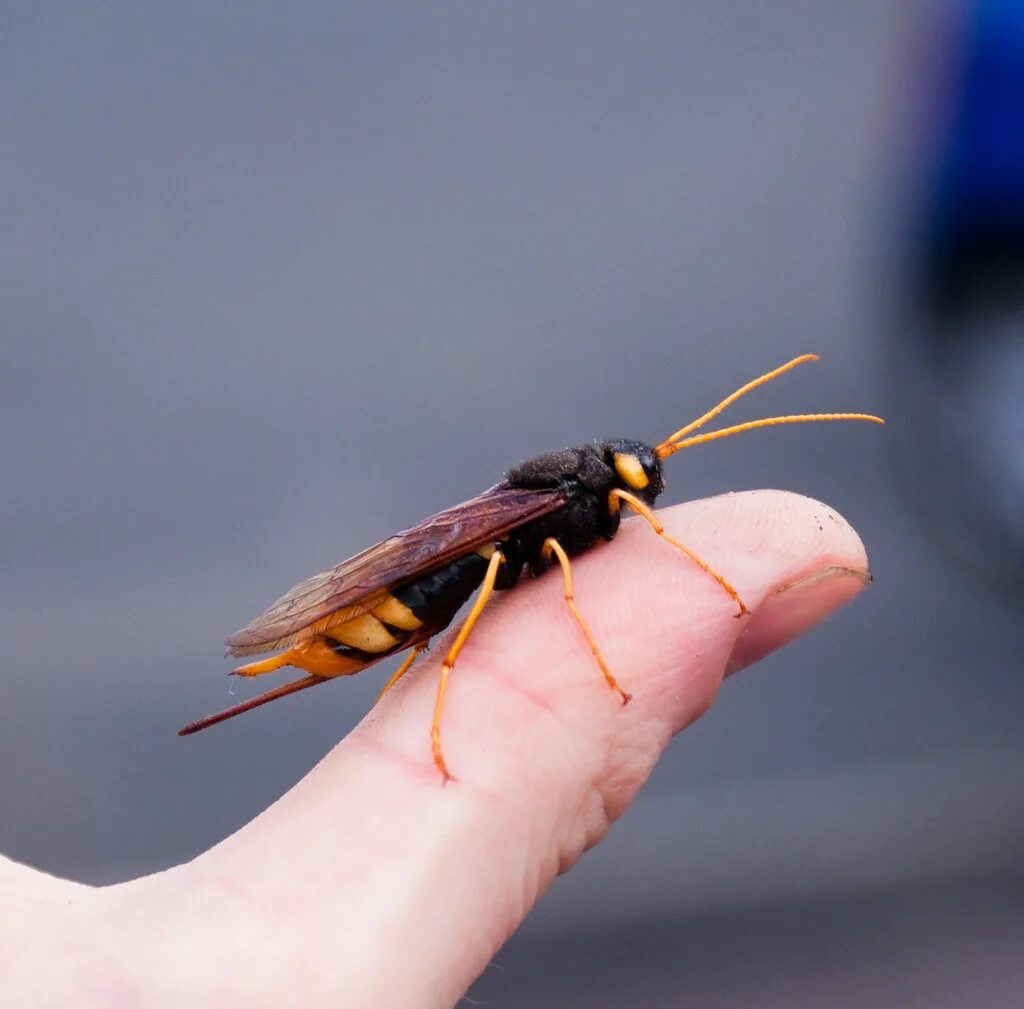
(355, 585)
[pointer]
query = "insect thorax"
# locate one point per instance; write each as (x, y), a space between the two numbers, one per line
(587, 474)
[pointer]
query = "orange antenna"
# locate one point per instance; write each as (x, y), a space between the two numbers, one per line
(729, 400)
(799, 418)
(678, 441)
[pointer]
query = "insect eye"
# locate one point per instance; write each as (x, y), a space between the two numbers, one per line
(631, 471)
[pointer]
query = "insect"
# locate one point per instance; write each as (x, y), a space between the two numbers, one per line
(399, 594)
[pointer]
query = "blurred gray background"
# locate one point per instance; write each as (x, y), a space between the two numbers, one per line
(278, 281)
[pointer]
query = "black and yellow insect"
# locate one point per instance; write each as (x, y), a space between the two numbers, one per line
(402, 592)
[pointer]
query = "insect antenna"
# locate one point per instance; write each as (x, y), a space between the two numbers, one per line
(678, 441)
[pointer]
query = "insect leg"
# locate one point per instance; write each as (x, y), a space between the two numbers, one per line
(496, 560)
(640, 508)
(402, 670)
(552, 546)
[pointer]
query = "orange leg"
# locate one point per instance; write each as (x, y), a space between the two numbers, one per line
(552, 546)
(401, 670)
(642, 509)
(497, 559)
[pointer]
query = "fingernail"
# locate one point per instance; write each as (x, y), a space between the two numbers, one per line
(794, 608)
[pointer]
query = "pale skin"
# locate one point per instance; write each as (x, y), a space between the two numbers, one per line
(369, 884)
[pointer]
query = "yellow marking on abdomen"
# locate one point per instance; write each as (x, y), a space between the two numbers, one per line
(315, 656)
(397, 614)
(366, 633)
(265, 665)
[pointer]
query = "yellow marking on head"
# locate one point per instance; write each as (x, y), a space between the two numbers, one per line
(366, 633)
(486, 551)
(631, 471)
(397, 614)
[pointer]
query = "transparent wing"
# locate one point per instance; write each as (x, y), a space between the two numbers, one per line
(356, 585)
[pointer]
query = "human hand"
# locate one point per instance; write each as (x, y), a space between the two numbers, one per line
(369, 884)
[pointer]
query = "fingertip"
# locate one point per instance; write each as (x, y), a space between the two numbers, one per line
(807, 562)
(793, 609)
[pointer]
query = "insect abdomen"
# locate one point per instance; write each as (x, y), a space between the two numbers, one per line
(435, 598)
(413, 611)
(408, 615)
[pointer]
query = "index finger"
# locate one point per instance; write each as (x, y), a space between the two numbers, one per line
(371, 851)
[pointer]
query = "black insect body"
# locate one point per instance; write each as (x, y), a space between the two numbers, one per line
(399, 594)
(585, 476)
(578, 481)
